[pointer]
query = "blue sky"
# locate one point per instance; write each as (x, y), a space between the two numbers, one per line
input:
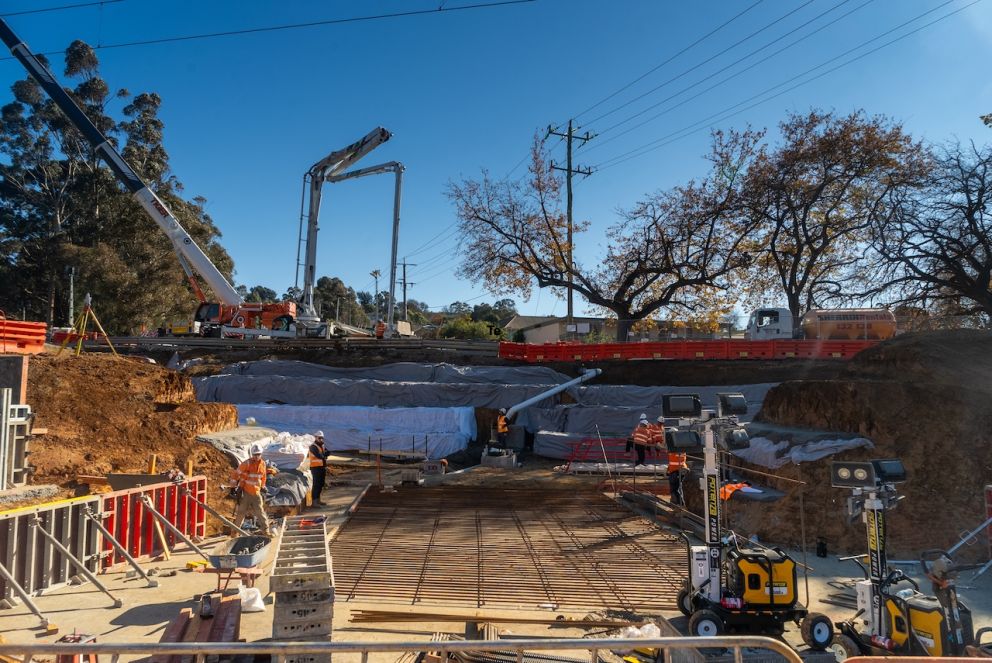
(247, 115)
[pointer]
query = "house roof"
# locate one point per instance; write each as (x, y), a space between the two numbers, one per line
(525, 322)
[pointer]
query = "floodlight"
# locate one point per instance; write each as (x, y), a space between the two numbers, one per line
(737, 438)
(889, 470)
(683, 441)
(732, 403)
(851, 474)
(681, 405)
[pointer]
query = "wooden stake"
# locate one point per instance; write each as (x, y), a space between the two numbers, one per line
(161, 539)
(152, 462)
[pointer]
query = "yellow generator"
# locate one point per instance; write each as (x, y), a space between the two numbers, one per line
(765, 578)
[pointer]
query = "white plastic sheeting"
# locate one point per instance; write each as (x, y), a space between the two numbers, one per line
(436, 432)
(403, 372)
(773, 455)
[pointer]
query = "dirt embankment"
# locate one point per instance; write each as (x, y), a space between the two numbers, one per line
(923, 398)
(108, 414)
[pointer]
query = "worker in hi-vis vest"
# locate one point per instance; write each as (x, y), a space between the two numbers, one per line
(250, 477)
(318, 466)
(502, 428)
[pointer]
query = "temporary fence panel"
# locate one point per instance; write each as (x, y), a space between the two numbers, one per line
(988, 513)
(720, 349)
(31, 559)
(127, 519)
(15, 433)
(18, 337)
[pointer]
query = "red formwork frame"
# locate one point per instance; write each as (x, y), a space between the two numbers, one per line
(686, 350)
(134, 528)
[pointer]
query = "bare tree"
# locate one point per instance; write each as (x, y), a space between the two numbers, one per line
(936, 243)
(675, 248)
(817, 195)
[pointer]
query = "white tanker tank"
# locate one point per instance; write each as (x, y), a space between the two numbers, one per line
(822, 324)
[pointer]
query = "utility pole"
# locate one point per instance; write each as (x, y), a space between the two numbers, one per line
(569, 136)
(405, 284)
(375, 273)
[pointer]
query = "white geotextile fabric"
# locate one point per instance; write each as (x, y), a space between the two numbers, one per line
(319, 391)
(402, 372)
(434, 431)
(774, 455)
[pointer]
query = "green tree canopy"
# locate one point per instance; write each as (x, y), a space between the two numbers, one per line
(62, 210)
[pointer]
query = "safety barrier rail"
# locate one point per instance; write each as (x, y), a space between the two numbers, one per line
(19, 337)
(725, 349)
(283, 651)
(35, 563)
(126, 518)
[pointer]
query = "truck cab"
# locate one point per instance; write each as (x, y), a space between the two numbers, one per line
(767, 324)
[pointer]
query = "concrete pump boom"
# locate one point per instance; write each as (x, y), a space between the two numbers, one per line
(333, 164)
(156, 209)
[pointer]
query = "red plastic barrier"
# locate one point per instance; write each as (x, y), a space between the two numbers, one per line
(686, 350)
(18, 337)
(134, 527)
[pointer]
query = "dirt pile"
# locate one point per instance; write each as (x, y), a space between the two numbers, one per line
(923, 398)
(108, 414)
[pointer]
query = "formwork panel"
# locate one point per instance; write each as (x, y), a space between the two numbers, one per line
(486, 547)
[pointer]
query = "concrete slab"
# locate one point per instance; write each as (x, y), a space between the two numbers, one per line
(147, 611)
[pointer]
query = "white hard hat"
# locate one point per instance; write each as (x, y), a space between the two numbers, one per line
(644, 417)
(256, 449)
(661, 419)
(502, 410)
(319, 433)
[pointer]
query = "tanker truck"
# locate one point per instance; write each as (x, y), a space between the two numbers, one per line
(847, 324)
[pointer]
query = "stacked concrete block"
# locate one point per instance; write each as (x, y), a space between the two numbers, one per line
(302, 582)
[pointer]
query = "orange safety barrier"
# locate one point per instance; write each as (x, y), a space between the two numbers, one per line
(130, 523)
(23, 338)
(686, 350)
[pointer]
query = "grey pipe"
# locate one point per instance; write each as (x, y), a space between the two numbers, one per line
(588, 374)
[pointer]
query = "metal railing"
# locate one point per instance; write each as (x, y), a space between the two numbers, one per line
(282, 651)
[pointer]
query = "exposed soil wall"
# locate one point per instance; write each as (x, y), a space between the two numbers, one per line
(107, 414)
(923, 398)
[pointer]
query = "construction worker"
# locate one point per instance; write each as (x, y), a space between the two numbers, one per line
(676, 467)
(250, 477)
(380, 329)
(642, 438)
(318, 465)
(502, 428)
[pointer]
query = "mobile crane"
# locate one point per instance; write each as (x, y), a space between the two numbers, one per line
(230, 312)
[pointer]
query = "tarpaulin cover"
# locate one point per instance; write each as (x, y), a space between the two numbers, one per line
(633, 396)
(319, 391)
(403, 372)
(556, 445)
(773, 454)
(435, 431)
(288, 488)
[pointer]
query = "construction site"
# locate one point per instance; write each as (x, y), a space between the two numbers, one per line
(263, 481)
(427, 533)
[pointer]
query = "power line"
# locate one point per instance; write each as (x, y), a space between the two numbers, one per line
(728, 78)
(60, 8)
(700, 64)
(295, 26)
(692, 128)
(430, 243)
(669, 59)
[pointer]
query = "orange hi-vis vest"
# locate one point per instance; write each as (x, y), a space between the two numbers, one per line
(643, 436)
(729, 489)
(251, 476)
(315, 459)
(501, 426)
(676, 461)
(380, 330)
